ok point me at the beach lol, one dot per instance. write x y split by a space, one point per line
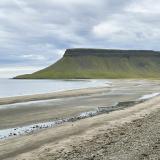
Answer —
79 80
103 136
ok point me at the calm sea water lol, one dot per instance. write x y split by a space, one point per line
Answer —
14 87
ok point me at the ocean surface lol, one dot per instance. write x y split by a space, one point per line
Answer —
17 87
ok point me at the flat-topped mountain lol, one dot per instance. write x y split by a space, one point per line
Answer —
102 63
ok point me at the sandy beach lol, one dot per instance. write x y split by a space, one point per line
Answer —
122 134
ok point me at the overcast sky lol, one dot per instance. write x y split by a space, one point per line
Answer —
35 33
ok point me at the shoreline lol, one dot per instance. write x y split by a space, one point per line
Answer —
37 127
70 93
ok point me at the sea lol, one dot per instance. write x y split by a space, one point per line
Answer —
19 87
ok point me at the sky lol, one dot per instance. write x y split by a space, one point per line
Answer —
35 33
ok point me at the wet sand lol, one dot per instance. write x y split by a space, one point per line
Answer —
59 142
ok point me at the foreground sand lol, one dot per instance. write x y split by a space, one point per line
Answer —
133 133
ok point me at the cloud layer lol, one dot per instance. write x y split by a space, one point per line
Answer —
36 33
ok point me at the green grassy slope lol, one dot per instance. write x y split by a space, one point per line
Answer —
84 64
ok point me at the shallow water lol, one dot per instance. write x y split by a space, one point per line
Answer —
17 87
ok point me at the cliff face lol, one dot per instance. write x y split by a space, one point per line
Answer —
103 63
109 52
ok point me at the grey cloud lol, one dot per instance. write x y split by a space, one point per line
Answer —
37 32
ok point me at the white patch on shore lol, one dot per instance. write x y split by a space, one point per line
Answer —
87 114
148 96
6 133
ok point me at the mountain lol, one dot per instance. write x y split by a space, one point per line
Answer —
102 63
